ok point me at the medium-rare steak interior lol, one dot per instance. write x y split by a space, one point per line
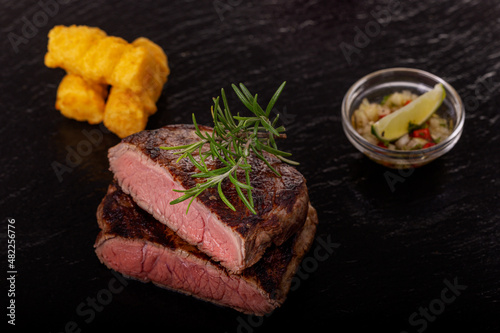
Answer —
133 243
236 239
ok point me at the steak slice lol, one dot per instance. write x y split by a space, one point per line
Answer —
133 243
237 239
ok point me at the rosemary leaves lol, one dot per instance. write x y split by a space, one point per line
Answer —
231 142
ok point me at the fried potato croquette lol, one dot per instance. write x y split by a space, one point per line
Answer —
100 60
107 60
139 70
124 113
81 100
136 71
67 46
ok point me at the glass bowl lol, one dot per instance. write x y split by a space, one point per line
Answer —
374 87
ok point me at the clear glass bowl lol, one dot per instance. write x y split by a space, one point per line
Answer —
374 87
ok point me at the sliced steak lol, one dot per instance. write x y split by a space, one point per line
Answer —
133 243
237 239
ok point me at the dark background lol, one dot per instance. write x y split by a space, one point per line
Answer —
396 245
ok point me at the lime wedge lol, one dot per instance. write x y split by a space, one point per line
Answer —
395 125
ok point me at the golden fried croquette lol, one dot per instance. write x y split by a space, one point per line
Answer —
68 45
81 100
152 84
158 54
93 60
155 88
107 60
138 71
124 113
100 60
138 105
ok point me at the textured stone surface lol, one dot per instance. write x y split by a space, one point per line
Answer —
392 249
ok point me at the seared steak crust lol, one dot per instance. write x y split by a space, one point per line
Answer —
283 196
119 216
121 219
281 203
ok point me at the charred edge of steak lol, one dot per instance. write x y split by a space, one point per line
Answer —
292 251
263 180
119 216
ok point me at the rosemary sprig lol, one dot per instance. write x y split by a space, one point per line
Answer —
231 142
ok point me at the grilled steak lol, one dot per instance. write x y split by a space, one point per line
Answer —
237 239
133 243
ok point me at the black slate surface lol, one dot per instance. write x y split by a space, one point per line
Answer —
423 255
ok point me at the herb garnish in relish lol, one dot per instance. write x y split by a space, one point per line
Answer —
418 136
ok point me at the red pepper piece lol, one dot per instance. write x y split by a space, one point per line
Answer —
428 144
381 144
422 133
407 102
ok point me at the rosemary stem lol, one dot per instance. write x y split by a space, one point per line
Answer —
232 140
